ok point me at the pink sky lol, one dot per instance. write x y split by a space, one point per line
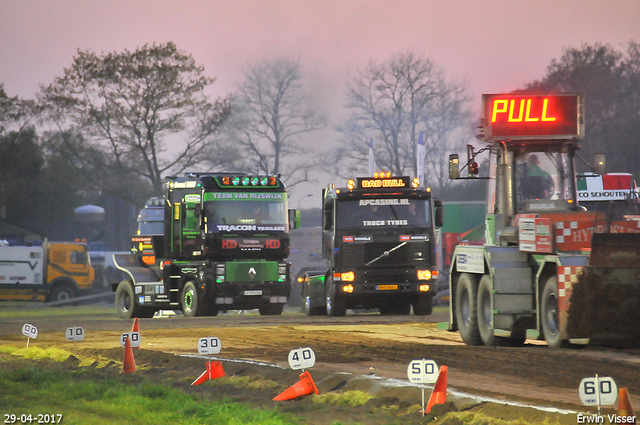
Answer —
500 45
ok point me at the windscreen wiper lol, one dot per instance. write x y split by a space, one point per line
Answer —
386 253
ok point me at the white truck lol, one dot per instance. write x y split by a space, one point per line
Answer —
54 271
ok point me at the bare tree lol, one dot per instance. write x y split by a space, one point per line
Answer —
392 102
141 113
271 114
610 80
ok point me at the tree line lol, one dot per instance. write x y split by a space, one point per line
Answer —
117 123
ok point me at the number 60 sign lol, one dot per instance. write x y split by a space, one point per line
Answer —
598 391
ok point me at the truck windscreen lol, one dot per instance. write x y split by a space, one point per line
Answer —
151 221
373 213
246 215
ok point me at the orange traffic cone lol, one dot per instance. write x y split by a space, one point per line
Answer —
135 327
624 404
214 371
129 364
439 394
301 388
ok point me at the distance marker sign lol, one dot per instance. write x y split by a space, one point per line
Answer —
209 345
75 333
134 339
598 391
422 372
30 331
302 358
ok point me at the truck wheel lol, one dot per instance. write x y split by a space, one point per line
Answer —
271 310
423 305
550 313
125 303
466 308
62 293
192 306
336 306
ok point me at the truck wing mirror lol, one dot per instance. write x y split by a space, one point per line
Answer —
294 219
438 212
454 166
599 163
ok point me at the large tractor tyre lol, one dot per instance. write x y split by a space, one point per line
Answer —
466 309
192 305
423 305
336 305
271 310
62 292
485 318
550 314
125 303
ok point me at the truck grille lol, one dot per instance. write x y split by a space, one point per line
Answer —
356 255
374 250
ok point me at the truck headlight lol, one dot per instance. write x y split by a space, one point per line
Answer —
424 274
347 277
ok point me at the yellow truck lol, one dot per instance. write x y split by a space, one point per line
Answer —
55 271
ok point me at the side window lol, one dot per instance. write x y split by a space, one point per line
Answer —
77 257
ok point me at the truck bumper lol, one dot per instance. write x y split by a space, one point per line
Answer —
368 294
250 295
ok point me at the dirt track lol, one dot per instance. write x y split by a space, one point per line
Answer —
366 345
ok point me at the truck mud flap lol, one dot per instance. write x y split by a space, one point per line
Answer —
129 264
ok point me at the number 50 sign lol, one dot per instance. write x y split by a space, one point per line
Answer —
598 391
422 371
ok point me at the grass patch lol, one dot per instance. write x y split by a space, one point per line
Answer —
347 398
51 353
87 398
250 382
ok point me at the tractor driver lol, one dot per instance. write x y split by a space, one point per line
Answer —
537 184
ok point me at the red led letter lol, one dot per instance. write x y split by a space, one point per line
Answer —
497 110
545 104
512 107
528 117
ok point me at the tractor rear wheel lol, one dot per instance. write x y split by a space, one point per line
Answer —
466 308
550 313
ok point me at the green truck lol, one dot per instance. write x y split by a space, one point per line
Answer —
224 247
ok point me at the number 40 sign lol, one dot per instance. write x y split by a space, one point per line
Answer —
302 358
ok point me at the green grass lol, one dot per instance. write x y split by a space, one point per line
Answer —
86 399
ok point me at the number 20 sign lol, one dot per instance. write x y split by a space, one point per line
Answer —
134 339
302 358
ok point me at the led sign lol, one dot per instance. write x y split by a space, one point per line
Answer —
533 116
376 183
